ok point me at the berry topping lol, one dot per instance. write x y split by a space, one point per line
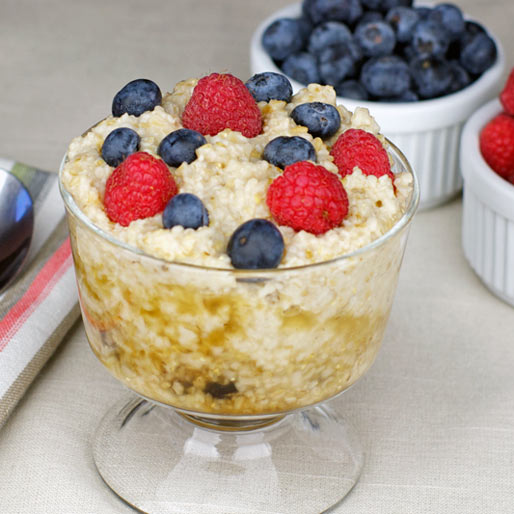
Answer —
119 144
187 210
180 146
282 38
256 244
269 86
139 187
507 94
358 148
307 197
283 151
221 101
497 145
321 119
136 97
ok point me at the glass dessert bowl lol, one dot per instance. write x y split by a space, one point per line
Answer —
232 368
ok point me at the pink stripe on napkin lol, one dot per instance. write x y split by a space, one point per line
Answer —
40 288
41 305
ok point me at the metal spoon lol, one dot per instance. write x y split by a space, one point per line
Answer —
16 226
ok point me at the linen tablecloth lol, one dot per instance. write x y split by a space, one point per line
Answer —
435 414
40 305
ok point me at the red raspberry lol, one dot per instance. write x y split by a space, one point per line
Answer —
497 145
139 187
307 197
507 94
356 147
219 102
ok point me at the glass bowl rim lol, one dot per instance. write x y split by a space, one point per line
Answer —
407 216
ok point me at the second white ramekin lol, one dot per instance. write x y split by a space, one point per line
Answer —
488 211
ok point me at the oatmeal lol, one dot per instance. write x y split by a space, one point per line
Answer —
165 310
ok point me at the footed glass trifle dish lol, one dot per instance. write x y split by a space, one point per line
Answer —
230 365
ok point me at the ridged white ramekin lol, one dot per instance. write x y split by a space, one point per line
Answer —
488 211
428 132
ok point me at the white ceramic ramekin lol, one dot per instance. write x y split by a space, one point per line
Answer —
427 132
488 211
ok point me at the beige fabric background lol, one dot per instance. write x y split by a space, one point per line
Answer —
435 413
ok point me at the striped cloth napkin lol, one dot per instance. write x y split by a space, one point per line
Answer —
40 306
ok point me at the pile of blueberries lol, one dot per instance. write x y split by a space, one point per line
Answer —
381 50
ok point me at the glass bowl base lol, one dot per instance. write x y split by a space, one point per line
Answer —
160 461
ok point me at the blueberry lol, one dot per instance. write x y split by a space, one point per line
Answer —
136 97
432 76
217 390
180 146
407 96
430 38
337 62
450 17
375 38
386 5
352 89
326 34
371 4
119 144
283 151
322 120
423 12
460 77
478 55
370 16
403 20
302 67
471 29
186 210
269 86
305 26
406 52
386 76
282 38
318 11
256 244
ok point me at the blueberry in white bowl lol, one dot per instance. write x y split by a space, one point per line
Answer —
442 67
